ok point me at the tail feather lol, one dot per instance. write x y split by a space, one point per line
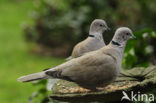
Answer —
33 77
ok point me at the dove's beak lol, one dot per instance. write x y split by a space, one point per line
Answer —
133 37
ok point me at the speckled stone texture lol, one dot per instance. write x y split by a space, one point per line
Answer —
136 79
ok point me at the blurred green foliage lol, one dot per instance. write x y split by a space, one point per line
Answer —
15 58
141 52
41 95
65 23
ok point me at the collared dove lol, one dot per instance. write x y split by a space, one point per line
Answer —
93 42
94 69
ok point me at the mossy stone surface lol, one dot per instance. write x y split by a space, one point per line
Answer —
136 79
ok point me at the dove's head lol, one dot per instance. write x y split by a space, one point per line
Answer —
98 26
123 34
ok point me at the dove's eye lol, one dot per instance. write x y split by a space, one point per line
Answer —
101 25
127 33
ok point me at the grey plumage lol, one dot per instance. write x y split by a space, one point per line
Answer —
93 42
94 69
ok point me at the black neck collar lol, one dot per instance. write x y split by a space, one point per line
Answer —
116 43
91 36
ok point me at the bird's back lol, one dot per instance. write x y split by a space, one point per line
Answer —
95 68
88 45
